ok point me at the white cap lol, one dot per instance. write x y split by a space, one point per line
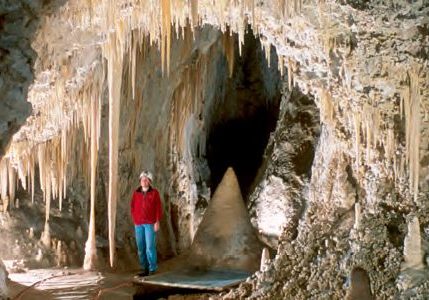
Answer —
146 174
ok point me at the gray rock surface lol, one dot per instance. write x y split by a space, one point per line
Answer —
3 281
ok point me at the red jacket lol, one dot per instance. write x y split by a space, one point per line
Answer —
146 207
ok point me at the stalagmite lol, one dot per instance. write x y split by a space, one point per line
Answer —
265 257
46 236
227 222
413 254
31 233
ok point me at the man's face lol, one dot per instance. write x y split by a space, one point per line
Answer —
145 182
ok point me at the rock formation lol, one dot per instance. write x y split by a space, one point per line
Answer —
360 287
225 238
3 281
339 173
413 256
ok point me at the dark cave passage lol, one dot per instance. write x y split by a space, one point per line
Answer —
240 143
245 117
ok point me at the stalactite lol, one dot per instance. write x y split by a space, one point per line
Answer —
389 149
114 56
268 53
371 122
194 12
22 172
327 108
358 216
47 194
4 179
280 64
12 184
250 5
41 162
289 75
32 174
357 126
90 259
411 107
165 36
133 55
289 8
228 43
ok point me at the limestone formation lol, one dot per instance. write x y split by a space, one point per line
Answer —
265 257
413 256
225 237
340 177
360 287
3 280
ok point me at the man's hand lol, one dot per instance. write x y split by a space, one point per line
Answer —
156 226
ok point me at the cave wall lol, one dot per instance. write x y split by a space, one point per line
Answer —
366 65
3 280
279 198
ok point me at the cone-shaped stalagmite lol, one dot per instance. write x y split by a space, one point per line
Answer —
225 237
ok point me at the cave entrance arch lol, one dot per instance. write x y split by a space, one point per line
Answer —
245 115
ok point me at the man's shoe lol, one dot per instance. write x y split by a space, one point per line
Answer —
152 273
143 273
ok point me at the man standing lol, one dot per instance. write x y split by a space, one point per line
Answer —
146 211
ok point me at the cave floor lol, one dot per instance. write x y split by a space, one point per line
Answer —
56 283
70 284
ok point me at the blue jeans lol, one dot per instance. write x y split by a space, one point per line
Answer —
146 246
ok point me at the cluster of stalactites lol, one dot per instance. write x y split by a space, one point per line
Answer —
159 19
410 107
370 131
52 156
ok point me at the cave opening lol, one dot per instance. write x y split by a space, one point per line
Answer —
245 116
